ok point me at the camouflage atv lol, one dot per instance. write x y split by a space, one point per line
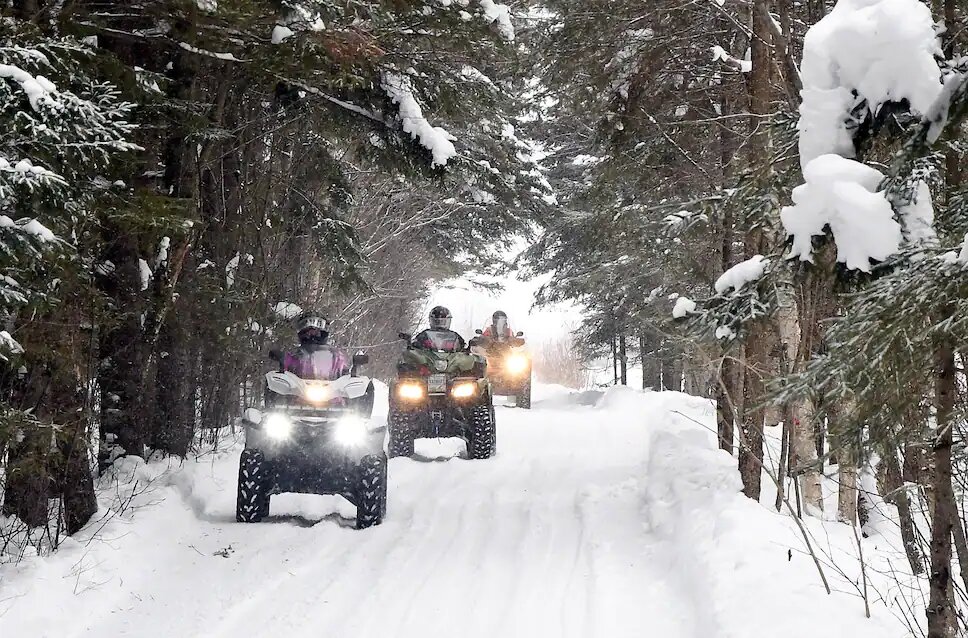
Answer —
441 394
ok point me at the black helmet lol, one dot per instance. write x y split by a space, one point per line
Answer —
500 314
440 318
312 328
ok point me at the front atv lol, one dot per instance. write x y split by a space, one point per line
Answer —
314 437
441 394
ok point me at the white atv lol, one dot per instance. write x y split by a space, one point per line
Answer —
316 437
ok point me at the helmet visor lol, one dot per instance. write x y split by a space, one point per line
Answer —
440 323
312 335
311 322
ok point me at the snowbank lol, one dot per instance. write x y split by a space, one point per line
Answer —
729 551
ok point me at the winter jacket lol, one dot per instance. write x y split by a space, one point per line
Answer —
433 339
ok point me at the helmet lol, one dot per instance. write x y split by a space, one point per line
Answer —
312 328
440 318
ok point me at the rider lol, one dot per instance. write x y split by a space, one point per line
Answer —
314 358
439 336
498 329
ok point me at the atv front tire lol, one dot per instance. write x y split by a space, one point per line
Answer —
483 434
252 504
523 398
371 493
401 426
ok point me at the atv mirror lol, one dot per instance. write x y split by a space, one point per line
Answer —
478 332
404 335
519 334
361 359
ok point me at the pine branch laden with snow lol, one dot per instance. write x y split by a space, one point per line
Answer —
741 274
842 194
499 15
58 137
882 50
434 138
682 307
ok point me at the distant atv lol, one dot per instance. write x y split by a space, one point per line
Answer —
441 393
508 367
314 436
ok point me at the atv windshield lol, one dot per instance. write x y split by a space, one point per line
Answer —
440 340
325 363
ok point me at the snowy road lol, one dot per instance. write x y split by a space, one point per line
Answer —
580 527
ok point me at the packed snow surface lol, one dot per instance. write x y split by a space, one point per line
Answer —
741 274
842 193
603 514
882 49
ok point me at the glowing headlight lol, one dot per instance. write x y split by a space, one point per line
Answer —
278 426
464 390
350 431
516 363
316 393
410 391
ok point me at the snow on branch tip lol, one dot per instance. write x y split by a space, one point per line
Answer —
434 138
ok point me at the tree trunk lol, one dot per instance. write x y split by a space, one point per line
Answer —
942 615
892 486
751 445
76 478
783 465
614 361
847 489
725 403
804 463
757 346
651 365
623 360
26 485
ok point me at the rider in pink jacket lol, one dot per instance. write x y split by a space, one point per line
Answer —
315 359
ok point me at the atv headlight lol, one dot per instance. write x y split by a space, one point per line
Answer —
464 390
350 431
516 363
317 393
278 426
410 391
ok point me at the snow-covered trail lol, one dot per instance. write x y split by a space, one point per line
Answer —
544 539
592 520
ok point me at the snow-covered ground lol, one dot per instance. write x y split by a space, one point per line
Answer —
602 515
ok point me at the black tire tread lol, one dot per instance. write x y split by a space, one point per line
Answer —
252 504
371 496
523 399
401 438
482 442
